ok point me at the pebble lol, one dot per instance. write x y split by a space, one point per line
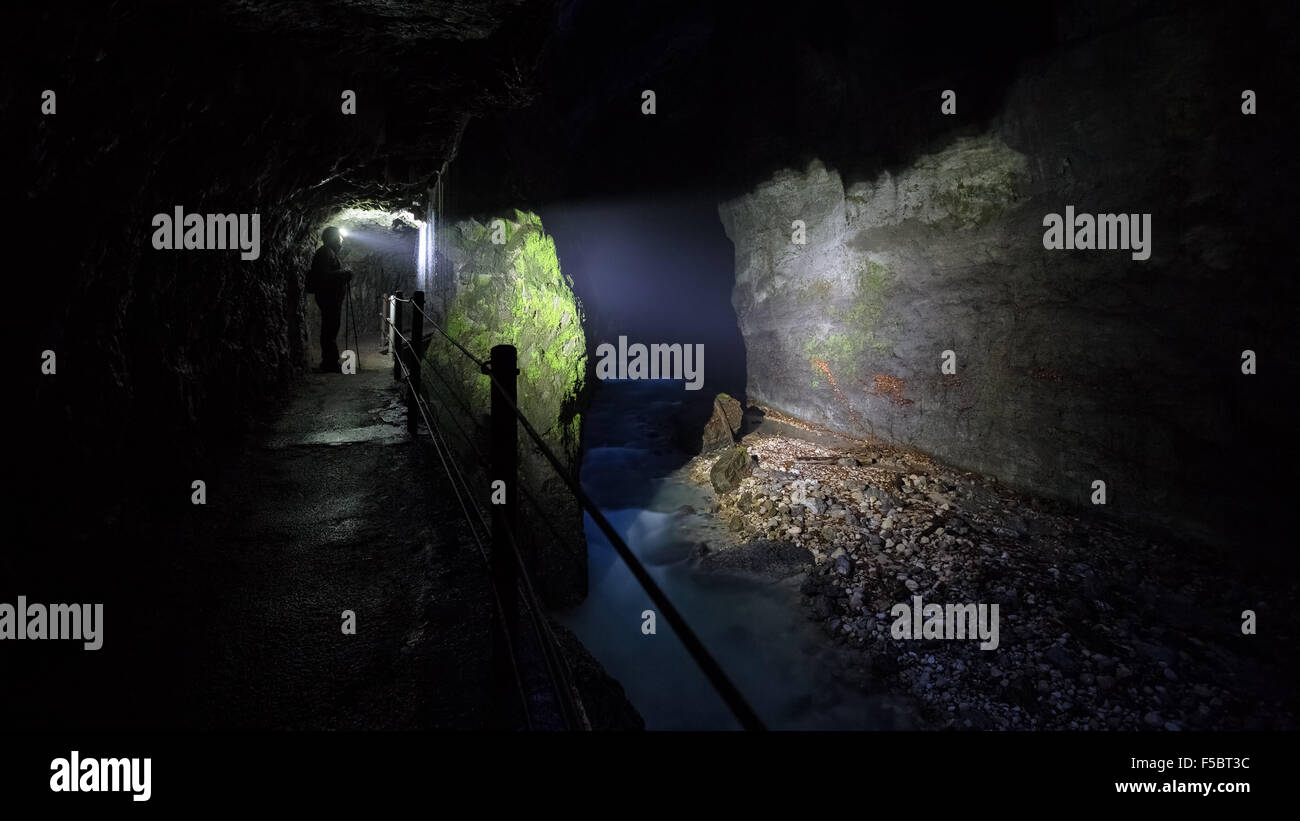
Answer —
905 539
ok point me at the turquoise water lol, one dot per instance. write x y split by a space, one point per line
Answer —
756 629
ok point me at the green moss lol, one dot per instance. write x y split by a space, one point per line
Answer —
861 325
977 200
515 294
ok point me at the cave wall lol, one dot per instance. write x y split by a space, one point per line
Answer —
163 356
1072 365
166 354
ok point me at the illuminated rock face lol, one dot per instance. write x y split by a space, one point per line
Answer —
513 292
1070 366
853 321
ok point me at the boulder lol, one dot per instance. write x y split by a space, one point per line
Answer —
721 430
730 468
723 426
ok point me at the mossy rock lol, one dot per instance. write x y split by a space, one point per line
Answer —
730 468
514 293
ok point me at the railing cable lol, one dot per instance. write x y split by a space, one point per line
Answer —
482 458
557 667
713 671
499 606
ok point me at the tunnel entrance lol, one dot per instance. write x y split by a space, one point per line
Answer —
380 247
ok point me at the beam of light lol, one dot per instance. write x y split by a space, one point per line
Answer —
379 217
373 227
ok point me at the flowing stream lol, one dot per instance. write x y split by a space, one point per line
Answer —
755 628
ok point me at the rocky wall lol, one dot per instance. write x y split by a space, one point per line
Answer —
1071 366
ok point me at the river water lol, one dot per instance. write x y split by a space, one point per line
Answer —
755 628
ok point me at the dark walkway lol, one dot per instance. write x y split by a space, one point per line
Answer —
228 616
338 512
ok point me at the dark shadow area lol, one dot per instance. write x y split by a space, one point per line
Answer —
654 271
742 92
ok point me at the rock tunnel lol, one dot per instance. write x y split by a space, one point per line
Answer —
845 208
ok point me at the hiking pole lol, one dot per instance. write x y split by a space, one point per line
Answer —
352 320
356 337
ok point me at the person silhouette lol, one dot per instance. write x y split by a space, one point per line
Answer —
328 279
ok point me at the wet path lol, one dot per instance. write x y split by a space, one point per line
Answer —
229 615
337 512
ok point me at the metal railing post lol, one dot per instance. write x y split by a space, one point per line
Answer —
504 370
506 557
413 365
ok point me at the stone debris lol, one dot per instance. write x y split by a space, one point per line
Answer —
1101 628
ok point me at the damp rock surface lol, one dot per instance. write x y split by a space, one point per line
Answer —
1069 367
514 292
